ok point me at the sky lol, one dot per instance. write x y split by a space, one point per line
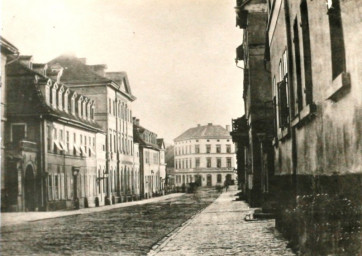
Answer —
179 55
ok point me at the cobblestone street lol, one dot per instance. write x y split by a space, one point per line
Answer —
173 226
220 229
124 231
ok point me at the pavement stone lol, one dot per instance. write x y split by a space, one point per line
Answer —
220 229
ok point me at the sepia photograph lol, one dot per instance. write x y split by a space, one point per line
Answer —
181 128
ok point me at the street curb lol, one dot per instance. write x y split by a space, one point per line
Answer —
86 210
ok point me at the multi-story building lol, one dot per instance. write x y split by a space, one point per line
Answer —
253 132
152 161
9 53
313 57
205 155
51 137
112 92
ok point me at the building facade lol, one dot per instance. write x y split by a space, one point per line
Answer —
9 53
253 132
205 155
50 142
152 161
112 92
313 59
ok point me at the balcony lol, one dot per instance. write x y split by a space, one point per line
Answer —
240 130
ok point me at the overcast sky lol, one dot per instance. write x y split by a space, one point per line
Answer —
179 54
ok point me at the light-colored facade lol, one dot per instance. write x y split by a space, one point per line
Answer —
50 142
112 92
152 161
204 154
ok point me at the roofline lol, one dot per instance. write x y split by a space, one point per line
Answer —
203 137
8 46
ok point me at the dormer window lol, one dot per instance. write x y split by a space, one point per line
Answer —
66 97
48 93
54 95
80 106
60 97
73 105
92 111
84 106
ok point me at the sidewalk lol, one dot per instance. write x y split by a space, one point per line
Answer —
13 218
220 229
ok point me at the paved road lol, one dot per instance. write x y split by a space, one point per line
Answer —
220 229
131 230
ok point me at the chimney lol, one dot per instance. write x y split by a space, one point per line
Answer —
227 127
136 121
26 60
209 124
98 69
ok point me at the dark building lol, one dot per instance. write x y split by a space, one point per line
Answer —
253 132
312 56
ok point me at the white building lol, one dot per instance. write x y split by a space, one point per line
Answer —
204 154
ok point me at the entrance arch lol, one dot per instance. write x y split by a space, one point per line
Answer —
29 189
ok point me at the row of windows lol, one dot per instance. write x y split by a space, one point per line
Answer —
119 109
184 179
126 181
184 150
61 187
70 143
291 97
125 145
188 163
155 157
189 141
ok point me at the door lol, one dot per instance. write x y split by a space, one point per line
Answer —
209 180
29 189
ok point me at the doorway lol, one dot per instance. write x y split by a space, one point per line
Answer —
29 189
209 180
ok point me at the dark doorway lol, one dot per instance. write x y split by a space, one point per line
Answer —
29 189
209 180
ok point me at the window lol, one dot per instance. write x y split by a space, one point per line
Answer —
197 149
219 178
298 68
67 138
56 187
109 106
337 39
208 162
50 187
228 148
218 163
115 142
197 162
18 132
307 54
208 149
85 144
283 99
49 138
218 148
228 162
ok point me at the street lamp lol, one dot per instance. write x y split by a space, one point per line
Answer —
75 171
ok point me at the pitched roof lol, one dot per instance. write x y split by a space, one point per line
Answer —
40 107
204 132
7 47
76 71
137 131
160 143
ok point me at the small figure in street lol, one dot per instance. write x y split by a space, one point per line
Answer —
226 185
